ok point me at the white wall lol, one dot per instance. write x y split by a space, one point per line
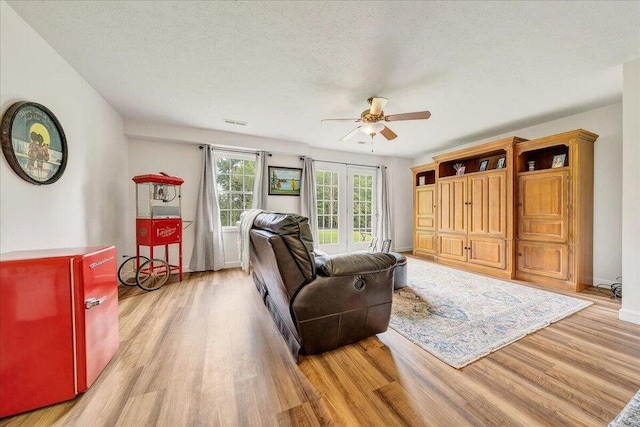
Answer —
402 201
174 150
183 160
607 233
631 193
87 205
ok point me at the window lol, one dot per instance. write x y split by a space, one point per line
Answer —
327 195
362 207
235 175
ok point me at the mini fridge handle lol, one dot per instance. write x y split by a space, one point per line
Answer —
92 302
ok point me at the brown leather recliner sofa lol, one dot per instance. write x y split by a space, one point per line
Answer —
318 303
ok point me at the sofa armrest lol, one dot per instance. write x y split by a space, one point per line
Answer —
326 296
353 264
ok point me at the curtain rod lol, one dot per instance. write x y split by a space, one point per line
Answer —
301 158
348 164
231 150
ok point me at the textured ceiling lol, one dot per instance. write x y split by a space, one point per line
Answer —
481 68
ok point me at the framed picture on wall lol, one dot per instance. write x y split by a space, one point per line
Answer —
284 181
34 143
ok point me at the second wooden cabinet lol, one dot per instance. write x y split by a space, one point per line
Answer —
473 219
475 209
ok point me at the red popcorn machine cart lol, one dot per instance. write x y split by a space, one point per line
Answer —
158 223
58 324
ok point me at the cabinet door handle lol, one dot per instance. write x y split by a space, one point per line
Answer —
92 302
519 253
519 203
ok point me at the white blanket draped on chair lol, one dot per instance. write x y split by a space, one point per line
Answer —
246 222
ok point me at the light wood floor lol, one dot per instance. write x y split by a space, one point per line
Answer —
205 352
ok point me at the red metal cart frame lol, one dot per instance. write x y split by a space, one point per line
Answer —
164 231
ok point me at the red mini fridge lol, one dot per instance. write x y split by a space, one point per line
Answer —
58 324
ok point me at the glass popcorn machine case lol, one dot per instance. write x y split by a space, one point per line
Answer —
158 221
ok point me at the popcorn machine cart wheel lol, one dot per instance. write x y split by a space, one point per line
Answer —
158 223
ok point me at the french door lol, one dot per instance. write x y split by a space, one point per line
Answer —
346 207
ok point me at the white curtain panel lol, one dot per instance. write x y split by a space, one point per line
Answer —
308 198
259 194
208 249
383 231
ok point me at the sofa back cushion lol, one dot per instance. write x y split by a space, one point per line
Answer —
296 235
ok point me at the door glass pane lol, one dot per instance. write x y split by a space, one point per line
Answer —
327 207
362 207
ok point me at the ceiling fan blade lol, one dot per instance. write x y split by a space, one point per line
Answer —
408 116
377 104
388 133
350 134
340 120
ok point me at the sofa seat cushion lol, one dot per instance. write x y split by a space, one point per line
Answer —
355 263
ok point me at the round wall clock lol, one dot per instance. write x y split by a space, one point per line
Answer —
33 143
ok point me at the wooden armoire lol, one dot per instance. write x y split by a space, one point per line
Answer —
554 212
521 209
424 219
475 208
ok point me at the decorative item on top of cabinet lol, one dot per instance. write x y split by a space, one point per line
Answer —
554 214
475 210
424 211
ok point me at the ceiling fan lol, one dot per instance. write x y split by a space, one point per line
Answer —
373 116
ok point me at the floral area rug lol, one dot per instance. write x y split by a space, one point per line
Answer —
630 415
460 317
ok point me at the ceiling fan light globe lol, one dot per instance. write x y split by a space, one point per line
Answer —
372 128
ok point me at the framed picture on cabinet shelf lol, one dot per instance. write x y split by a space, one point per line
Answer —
501 163
483 165
422 180
558 160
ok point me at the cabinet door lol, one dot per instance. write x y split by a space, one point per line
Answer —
425 242
452 199
96 293
487 204
544 259
36 334
452 246
487 251
426 207
542 206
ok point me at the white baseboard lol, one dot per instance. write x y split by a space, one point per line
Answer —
629 315
232 264
406 249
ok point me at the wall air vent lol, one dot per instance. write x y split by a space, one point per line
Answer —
235 122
